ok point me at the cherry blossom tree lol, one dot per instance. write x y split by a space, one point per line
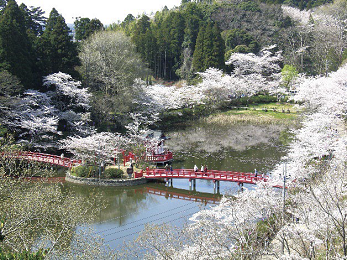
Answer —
102 147
71 101
94 148
41 117
316 161
159 98
319 35
35 117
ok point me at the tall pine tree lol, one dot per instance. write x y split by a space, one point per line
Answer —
209 48
193 17
57 51
34 24
198 56
16 54
84 27
145 41
218 48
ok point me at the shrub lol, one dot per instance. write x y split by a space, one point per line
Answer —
84 171
113 173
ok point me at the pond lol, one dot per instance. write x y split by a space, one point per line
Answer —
121 213
239 148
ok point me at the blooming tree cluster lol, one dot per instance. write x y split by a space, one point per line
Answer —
158 98
323 129
71 101
37 115
252 74
258 221
321 36
94 148
102 147
34 116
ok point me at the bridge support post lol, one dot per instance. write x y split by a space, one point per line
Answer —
194 184
215 186
241 186
168 181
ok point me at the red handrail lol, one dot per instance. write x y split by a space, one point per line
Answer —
159 157
232 176
43 157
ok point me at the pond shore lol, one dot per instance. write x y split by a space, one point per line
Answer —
105 182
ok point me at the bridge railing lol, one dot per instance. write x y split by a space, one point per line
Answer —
159 157
208 175
43 157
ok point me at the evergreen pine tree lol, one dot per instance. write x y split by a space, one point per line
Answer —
198 56
57 51
209 48
193 17
15 47
84 27
177 25
208 58
218 48
34 24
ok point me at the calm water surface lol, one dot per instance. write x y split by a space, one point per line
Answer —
126 211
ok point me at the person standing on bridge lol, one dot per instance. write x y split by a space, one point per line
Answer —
195 168
202 168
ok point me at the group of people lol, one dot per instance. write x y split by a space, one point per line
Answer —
168 168
203 168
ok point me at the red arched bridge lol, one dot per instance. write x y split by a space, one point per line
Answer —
42 157
214 175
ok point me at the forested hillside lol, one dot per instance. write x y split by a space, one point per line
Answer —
169 45
169 40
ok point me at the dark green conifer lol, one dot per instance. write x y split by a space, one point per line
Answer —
218 48
57 51
84 27
16 54
209 49
198 56
209 59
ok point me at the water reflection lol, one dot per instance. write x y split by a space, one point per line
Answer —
124 212
239 147
216 138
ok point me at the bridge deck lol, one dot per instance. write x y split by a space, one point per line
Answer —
215 175
42 157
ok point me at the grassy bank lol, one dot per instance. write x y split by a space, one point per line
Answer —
272 113
260 109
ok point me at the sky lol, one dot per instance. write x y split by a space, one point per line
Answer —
107 11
